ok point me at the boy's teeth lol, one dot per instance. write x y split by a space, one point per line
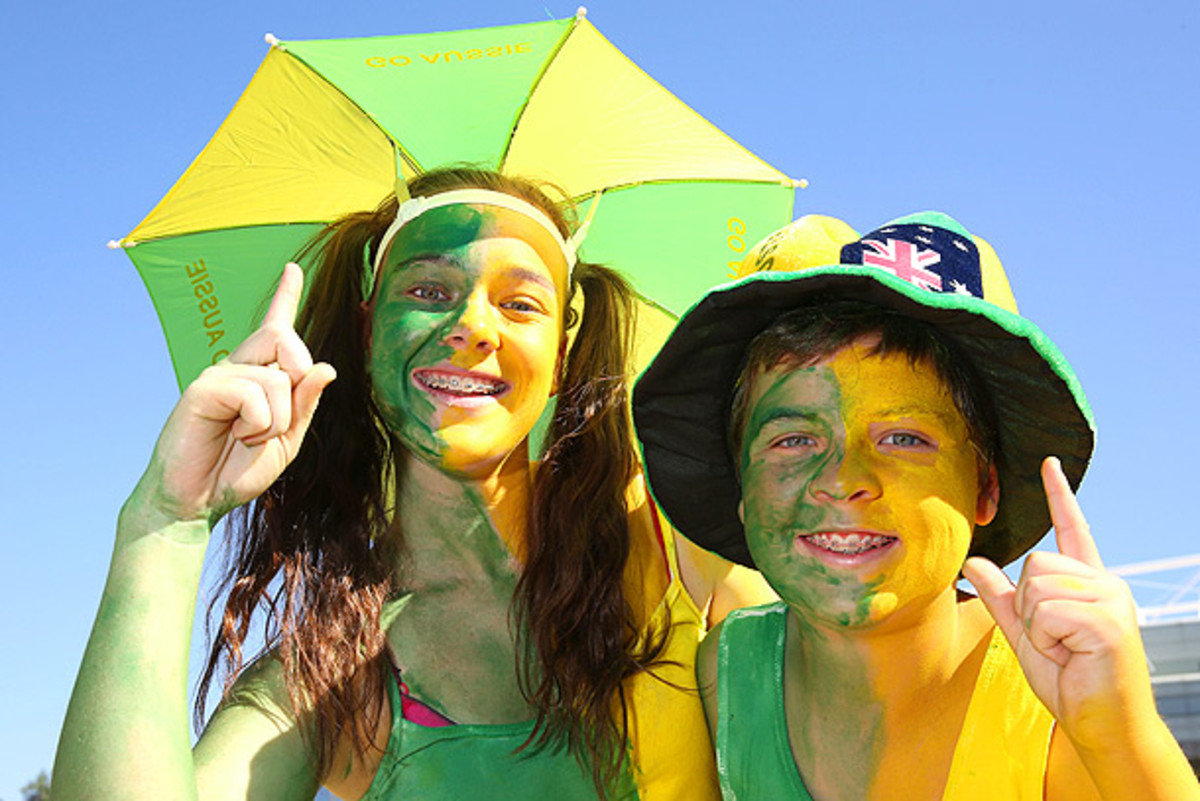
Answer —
849 544
461 383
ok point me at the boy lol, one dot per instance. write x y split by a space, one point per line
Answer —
856 431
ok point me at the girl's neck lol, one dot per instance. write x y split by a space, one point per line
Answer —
452 524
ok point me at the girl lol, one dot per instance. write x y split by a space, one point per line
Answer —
443 615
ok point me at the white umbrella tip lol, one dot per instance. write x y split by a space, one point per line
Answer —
581 12
271 39
113 244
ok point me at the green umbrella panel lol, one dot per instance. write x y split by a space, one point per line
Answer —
327 127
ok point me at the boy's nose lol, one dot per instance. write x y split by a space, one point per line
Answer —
844 476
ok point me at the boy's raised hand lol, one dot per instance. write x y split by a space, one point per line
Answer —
1074 628
241 422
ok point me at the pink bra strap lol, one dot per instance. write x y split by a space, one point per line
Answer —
416 712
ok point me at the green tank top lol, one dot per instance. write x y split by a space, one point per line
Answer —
1002 748
476 761
754 756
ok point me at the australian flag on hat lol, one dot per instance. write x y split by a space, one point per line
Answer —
926 255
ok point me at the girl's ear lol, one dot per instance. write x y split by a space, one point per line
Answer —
558 365
989 498
364 321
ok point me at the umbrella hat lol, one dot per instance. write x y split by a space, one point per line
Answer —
328 127
925 266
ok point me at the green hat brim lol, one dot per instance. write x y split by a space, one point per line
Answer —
681 403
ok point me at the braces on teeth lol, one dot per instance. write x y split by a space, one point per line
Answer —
851 544
461 384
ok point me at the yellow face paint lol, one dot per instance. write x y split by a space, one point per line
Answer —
860 486
466 326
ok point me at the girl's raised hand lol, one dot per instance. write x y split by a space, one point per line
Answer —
241 422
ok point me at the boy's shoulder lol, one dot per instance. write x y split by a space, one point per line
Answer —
746 631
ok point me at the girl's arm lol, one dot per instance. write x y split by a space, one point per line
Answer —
233 432
718 585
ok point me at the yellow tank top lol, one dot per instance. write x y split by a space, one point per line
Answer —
1001 752
672 752
671 755
1005 741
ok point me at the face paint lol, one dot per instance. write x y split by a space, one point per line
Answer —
466 325
859 485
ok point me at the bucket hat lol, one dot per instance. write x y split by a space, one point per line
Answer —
925 266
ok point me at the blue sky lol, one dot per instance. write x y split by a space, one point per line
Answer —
1065 133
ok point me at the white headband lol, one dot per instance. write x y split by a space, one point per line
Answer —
413 208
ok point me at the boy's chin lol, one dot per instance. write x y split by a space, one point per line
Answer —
847 614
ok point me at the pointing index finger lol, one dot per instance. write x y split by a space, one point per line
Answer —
1070 526
286 301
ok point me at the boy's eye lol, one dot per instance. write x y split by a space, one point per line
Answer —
793 441
904 439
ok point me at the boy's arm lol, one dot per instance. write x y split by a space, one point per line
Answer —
1074 629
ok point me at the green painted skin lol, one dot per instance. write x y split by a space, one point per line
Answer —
777 499
127 731
457 577
777 507
457 573
406 333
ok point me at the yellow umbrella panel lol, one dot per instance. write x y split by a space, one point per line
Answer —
326 126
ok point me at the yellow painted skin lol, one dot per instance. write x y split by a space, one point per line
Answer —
486 298
859 446
469 294
880 645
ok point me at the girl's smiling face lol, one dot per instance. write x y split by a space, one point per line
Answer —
466 334
860 485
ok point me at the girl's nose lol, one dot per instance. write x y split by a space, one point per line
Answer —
476 327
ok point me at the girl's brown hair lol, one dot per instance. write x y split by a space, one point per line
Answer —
313 551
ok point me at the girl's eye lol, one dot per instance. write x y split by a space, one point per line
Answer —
520 306
905 440
429 293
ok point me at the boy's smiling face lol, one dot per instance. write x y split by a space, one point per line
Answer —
860 487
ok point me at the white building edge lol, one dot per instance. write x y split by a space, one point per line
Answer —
1167 592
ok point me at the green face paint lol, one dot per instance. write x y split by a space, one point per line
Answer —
465 331
859 485
775 503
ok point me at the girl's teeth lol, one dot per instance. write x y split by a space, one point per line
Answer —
465 384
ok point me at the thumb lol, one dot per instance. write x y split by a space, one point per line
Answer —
997 593
306 395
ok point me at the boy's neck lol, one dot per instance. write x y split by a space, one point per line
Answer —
854 697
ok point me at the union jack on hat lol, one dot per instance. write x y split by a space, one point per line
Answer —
925 266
